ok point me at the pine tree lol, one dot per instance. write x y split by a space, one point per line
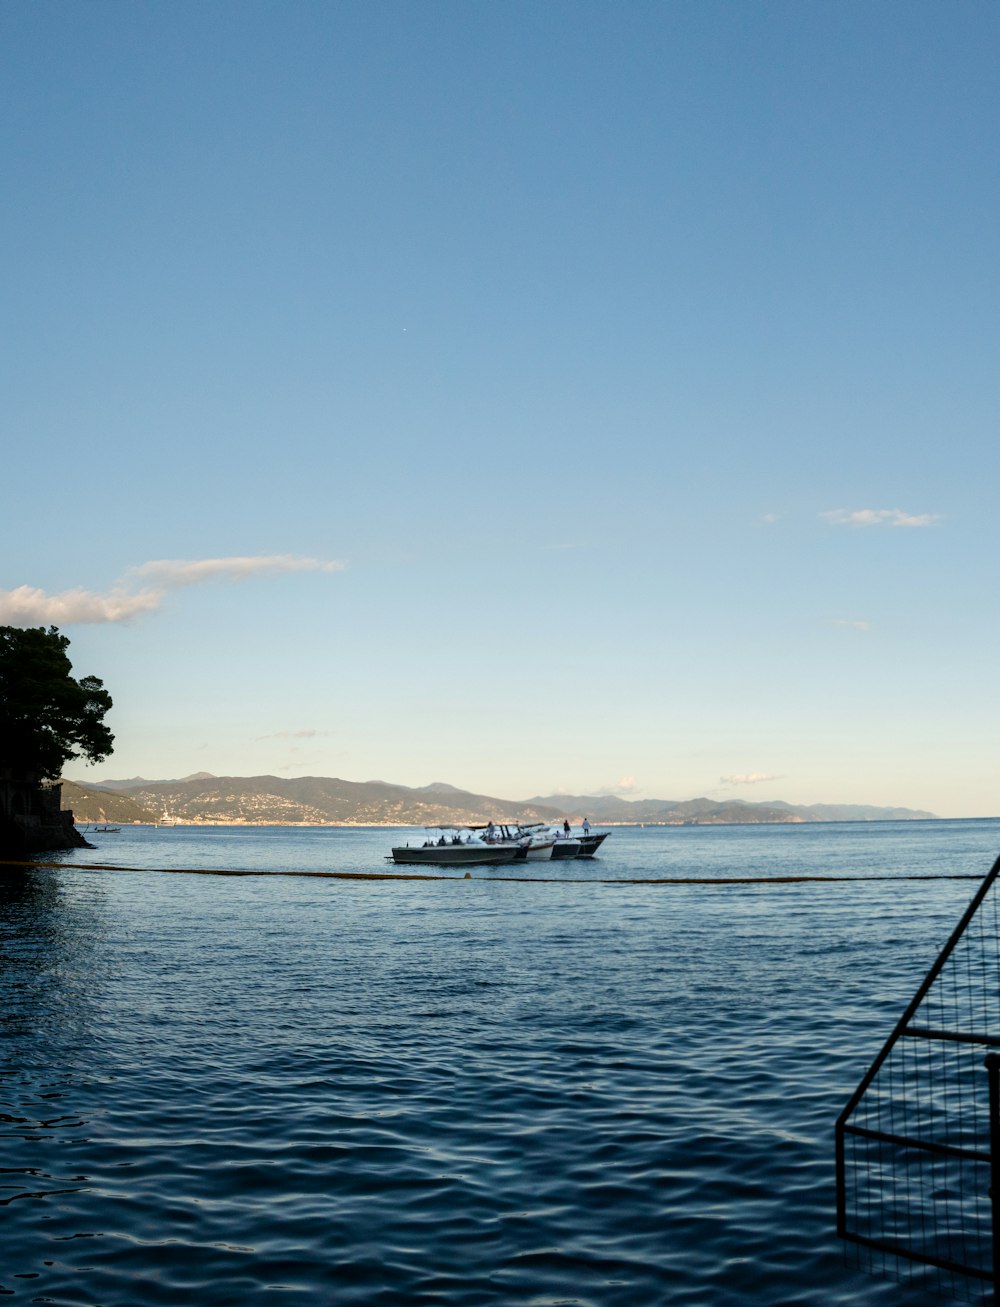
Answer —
47 716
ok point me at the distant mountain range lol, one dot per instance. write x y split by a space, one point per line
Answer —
324 800
671 812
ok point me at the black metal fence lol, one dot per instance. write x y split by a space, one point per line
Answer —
918 1145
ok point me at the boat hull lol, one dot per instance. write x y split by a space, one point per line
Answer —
565 849
578 846
589 844
455 855
540 852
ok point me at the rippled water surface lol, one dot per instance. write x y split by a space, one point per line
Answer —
579 1090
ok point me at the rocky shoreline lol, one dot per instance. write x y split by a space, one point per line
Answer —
32 819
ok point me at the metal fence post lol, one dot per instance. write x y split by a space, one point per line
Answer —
992 1062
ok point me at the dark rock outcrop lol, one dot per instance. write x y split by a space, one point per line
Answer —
32 819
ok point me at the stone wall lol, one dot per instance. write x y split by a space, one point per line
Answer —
32 819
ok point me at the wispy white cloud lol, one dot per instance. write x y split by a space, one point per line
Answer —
174 572
853 623
29 606
769 519
749 778
878 517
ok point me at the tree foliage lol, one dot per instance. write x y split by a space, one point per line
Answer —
46 715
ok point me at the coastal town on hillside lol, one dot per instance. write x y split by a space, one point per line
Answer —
328 801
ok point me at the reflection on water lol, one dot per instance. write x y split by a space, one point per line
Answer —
51 957
452 1092
50 962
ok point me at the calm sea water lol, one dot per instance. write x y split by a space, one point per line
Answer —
454 1092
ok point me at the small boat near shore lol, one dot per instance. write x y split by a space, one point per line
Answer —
459 847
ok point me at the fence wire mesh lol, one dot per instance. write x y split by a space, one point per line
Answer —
914 1152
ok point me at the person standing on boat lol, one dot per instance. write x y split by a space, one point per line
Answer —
491 832
565 825
586 826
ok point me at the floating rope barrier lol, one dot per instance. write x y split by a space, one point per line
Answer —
512 880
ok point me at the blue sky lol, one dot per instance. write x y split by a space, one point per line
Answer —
567 396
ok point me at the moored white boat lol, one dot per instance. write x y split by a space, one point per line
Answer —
555 842
536 839
541 846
